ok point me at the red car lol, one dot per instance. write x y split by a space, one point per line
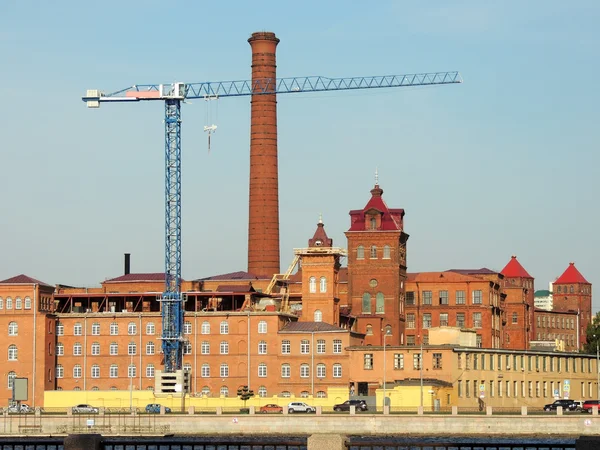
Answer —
589 404
271 408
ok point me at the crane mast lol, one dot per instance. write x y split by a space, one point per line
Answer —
172 300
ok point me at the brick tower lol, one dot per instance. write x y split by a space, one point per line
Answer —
519 288
263 220
377 270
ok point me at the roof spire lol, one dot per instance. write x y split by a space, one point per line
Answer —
320 218
376 176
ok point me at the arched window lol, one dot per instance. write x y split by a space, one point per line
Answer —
149 348
312 285
113 349
60 329
95 371
388 330
60 349
27 303
205 371
77 329
1 303
224 348
114 329
60 371
12 352
19 302
187 327
8 303
205 391
373 252
114 371
360 252
337 370
11 379
95 348
262 348
131 371
205 348
13 329
369 330
515 318
224 371
262 391
262 370
150 371
224 328
262 327
285 371
131 329
187 348
386 252
96 329
323 284
205 328
77 371
95 388
304 394
379 303
224 391
150 328
366 303
321 394
131 349
318 316
373 223
77 350
304 370
286 394
321 370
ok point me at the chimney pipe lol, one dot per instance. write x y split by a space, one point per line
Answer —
263 218
127 263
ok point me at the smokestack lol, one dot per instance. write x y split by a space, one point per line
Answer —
263 224
127 263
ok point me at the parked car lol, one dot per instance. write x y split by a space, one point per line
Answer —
567 405
588 405
23 408
84 409
271 408
154 408
360 405
295 407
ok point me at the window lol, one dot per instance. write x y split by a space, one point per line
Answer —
379 303
360 252
443 297
285 371
386 252
113 349
224 348
262 370
312 285
410 298
8 303
224 391
427 320
337 370
60 349
477 320
304 346
187 327
149 348
96 329
477 296
224 371
95 349
13 329
224 328
60 372
77 371
131 371
410 340
427 297
318 316
369 330
321 370
19 302
262 348
131 329
366 303
443 319
77 349
150 329
150 371
460 297
187 348
398 361
337 346
114 329
417 361
77 329
373 223
95 371
205 328
323 284
205 371
286 347
27 303
206 391
321 346
368 361
478 341
304 370
262 391
262 327
1 303
12 352
131 349
515 318
410 321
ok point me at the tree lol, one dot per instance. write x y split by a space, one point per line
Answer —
245 394
592 335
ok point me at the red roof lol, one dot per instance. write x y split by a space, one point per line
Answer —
391 219
514 269
571 275
240 275
137 277
23 279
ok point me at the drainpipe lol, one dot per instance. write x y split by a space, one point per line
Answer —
35 287
141 348
248 349
84 351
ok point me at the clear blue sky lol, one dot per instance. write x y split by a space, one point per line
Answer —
506 163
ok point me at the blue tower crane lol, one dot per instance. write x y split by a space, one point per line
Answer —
172 95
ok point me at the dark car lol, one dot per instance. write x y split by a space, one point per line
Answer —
588 405
360 405
154 408
567 405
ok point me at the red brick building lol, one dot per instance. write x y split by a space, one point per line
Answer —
518 287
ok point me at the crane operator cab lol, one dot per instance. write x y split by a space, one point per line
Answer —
175 91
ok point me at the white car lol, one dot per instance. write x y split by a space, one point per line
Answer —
23 408
295 407
84 409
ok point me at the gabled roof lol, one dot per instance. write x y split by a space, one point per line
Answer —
238 288
137 277
482 271
440 277
24 279
391 219
309 327
320 236
514 269
571 275
241 275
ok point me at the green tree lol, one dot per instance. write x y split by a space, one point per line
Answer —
245 394
592 335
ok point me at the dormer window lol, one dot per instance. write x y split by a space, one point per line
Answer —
318 243
373 223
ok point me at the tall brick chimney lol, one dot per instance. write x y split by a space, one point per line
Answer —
263 224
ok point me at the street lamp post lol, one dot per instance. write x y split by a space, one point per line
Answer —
385 334
421 370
